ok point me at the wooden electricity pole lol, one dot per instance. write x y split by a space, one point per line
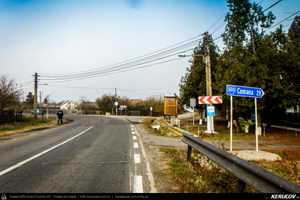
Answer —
210 120
35 94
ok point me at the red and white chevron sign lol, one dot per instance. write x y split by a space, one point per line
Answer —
210 100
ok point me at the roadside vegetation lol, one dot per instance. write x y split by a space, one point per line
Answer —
288 167
170 131
28 123
200 175
137 107
163 130
222 133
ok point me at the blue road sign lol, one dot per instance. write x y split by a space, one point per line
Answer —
242 91
210 111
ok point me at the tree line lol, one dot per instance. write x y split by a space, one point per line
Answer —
10 99
106 103
254 56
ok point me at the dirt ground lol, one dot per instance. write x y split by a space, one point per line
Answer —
158 160
159 166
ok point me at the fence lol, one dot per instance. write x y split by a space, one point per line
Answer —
257 177
284 130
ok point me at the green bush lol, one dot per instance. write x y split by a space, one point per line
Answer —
244 124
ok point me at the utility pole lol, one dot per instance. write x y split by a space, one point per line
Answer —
35 93
40 97
210 120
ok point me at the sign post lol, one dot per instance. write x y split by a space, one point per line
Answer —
256 133
231 114
124 107
242 91
210 100
116 104
151 108
193 105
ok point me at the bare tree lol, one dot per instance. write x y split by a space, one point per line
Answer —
9 93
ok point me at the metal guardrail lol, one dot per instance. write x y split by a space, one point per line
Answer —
248 173
286 128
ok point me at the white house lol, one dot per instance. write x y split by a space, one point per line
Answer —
69 105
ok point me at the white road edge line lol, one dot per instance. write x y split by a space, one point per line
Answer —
137 158
138 184
149 173
40 154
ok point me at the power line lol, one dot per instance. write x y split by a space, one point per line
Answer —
79 87
261 1
149 89
45 77
135 92
216 21
95 88
284 19
164 50
120 71
22 84
218 28
113 69
287 25
137 59
272 5
26 88
122 65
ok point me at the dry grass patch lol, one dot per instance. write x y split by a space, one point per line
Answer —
200 175
164 129
288 167
28 123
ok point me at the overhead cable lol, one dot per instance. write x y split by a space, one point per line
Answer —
111 69
119 71
135 60
284 19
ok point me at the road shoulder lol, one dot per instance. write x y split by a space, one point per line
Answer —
158 160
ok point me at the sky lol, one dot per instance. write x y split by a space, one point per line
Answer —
67 36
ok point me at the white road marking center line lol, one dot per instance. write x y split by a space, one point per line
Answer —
40 154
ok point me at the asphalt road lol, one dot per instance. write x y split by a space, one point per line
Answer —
93 154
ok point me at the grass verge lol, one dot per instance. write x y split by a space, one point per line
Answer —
203 176
28 123
288 167
200 175
164 129
222 132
